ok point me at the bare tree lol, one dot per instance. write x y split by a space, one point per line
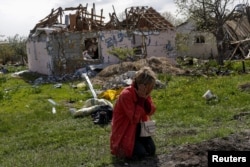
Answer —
122 16
210 15
172 19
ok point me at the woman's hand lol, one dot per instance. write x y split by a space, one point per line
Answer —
141 91
144 90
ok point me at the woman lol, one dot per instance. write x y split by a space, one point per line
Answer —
133 106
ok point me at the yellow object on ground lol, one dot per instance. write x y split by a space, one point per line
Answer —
110 94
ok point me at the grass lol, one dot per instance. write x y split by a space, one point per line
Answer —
30 135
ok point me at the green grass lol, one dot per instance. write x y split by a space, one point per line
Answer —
30 135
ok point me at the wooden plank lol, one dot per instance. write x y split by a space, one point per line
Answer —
240 41
234 51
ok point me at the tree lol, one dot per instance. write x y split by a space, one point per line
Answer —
18 44
6 53
121 53
173 20
122 16
210 15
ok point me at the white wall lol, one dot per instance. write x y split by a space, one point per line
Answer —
188 44
162 44
38 58
109 39
159 44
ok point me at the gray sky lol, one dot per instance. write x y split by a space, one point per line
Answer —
20 16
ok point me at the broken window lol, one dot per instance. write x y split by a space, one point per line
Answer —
137 42
200 39
91 48
138 50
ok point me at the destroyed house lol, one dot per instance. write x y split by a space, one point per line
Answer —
194 43
71 38
202 44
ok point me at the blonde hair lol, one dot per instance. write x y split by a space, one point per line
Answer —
145 76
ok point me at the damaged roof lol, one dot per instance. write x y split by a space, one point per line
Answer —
80 19
145 18
238 28
238 32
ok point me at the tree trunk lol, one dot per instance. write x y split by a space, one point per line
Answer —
220 46
220 53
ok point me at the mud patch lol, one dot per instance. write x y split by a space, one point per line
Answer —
195 155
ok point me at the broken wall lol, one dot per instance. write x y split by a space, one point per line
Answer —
56 53
152 43
59 53
113 38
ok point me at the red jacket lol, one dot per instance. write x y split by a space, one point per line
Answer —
127 114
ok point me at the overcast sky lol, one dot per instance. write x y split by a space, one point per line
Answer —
20 16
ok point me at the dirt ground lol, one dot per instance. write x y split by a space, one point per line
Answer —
193 155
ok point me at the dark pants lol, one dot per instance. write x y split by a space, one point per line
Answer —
144 146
